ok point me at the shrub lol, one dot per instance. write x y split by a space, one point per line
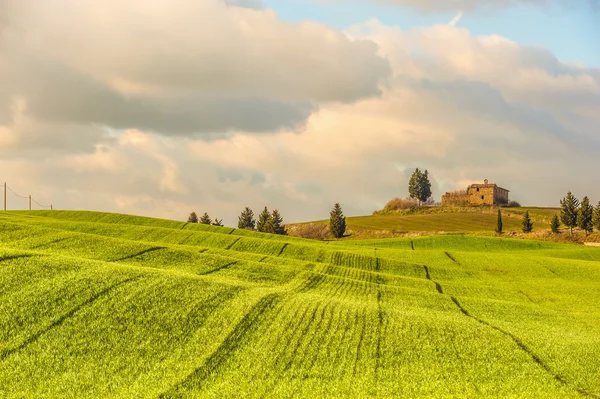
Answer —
513 204
398 204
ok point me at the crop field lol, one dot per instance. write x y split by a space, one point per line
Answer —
96 305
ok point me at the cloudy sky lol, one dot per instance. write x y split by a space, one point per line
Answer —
160 108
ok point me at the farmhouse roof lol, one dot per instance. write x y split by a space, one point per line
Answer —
487 186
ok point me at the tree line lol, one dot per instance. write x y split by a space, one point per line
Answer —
272 222
572 214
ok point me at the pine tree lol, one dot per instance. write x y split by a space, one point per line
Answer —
568 211
527 223
246 219
585 216
555 224
205 219
276 223
263 221
499 223
596 218
193 218
337 221
218 222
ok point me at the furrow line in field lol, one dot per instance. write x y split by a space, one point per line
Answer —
452 258
217 359
516 340
59 321
225 266
379 323
183 226
51 242
360 340
139 253
233 243
11 257
283 248
325 338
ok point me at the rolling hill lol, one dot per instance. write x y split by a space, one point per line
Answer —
96 305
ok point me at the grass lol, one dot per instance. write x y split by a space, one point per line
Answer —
467 220
103 305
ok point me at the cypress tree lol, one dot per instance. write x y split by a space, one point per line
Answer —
555 224
527 223
596 218
414 184
337 221
193 218
585 216
218 222
568 211
499 223
205 219
246 219
424 187
276 223
263 221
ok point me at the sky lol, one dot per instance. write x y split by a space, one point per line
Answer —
161 108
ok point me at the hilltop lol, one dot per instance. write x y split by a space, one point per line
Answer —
480 221
102 305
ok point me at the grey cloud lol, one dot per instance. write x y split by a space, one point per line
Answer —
257 178
254 4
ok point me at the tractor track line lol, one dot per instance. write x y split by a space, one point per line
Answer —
218 268
214 362
233 243
145 251
11 257
282 249
58 322
452 258
517 341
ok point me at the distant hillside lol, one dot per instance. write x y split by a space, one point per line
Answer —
97 305
471 220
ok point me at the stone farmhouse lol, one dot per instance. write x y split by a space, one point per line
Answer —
477 194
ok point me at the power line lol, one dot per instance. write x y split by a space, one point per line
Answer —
7 188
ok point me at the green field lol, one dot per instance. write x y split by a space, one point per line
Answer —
96 305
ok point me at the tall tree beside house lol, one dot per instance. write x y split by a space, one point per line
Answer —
555 224
337 221
419 186
262 224
246 219
499 223
276 223
585 216
527 223
193 218
596 218
568 211
205 219
218 222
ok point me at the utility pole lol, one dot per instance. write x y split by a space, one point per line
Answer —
4 195
29 201
51 207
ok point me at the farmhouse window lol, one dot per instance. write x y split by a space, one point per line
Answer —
477 189
482 197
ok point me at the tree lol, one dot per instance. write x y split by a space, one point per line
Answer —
337 221
246 219
205 219
419 186
568 211
527 223
263 221
555 224
596 218
276 223
585 216
193 218
499 223
218 222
